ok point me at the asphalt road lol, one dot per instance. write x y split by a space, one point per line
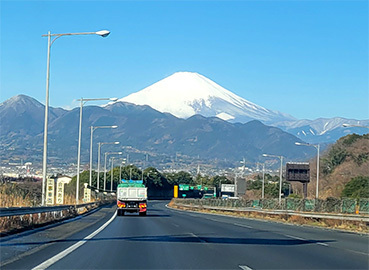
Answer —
172 239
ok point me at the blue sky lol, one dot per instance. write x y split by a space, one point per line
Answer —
305 58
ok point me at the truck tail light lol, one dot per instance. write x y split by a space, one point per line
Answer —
143 205
121 204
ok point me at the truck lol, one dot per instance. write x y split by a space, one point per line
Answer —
131 197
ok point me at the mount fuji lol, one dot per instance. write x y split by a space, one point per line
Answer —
185 94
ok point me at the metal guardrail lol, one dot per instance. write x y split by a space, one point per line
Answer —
18 211
198 204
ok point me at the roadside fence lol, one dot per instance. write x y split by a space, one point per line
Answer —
330 205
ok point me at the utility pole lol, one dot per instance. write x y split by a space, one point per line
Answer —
262 190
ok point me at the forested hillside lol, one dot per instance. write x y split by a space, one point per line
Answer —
346 160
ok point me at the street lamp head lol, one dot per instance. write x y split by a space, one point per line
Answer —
113 99
103 33
297 143
116 142
114 126
265 155
345 125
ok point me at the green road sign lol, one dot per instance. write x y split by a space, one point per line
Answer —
184 187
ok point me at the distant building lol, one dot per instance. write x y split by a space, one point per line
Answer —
64 179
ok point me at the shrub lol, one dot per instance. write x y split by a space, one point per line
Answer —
358 187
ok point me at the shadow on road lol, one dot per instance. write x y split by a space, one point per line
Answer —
187 238
135 215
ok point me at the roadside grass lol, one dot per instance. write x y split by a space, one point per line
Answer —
20 194
28 194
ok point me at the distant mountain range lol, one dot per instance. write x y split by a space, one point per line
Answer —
184 113
140 127
185 94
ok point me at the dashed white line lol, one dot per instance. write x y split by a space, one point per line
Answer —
65 252
302 239
295 237
194 235
244 267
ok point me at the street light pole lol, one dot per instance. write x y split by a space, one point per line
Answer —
120 172
262 190
112 173
44 159
280 175
98 160
105 172
317 172
106 154
83 101
280 181
91 139
98 165
102 33
79 150
317 147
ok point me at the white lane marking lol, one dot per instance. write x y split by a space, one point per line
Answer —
244 267
242 225
295 237
194 235
64 253
302 239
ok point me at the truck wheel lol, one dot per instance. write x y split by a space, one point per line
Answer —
142 213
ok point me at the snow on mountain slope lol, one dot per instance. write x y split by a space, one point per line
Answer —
323 129
185 94
321 125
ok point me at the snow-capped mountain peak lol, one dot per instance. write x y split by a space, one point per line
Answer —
185 94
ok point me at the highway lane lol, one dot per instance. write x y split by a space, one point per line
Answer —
172 239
